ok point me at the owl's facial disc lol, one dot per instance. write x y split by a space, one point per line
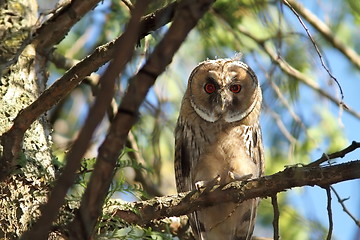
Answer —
226 90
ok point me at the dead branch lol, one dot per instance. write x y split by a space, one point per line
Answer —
326 32
267 186
187 15
12 139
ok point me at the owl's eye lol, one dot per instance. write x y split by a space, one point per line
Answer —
209 88
235 88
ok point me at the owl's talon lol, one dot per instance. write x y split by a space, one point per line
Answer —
200 184
208 184
237 177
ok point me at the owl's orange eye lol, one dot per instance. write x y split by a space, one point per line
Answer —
235 88
210 88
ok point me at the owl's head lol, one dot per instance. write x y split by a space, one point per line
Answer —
224 89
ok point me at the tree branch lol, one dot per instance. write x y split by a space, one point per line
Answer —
274 202
325 31
56 27
187 15
267 186
339 154
12 139
341 201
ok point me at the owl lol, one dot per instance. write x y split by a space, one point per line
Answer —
218 140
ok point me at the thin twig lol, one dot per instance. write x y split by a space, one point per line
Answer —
341 201
326 32
329 210
275 205
316 48
339 154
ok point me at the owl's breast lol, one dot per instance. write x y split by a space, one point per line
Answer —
226 152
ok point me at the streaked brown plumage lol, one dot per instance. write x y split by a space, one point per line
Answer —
218 136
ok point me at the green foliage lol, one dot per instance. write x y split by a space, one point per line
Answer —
354 7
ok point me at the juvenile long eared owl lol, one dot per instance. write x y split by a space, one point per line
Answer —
218 139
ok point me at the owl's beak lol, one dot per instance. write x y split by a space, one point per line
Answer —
224 100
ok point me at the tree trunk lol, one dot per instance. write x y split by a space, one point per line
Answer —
23 78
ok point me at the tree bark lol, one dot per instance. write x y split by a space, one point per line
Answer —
22 80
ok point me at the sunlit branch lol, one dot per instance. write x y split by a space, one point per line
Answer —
326 32
128 4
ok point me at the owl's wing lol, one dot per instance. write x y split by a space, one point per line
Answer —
182 158
257 155
185 159
258 150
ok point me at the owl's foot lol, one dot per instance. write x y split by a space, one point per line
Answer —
208 184
237 177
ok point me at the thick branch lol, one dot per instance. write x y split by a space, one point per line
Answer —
325 31
267 186
12 140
